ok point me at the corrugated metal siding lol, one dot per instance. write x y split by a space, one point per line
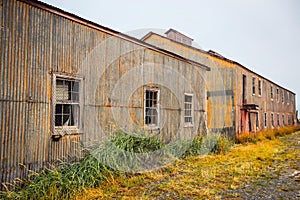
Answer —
219 83
37 43
27 54
224 88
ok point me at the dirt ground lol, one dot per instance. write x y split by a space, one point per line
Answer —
282 180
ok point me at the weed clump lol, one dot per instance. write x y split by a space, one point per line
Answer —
61 182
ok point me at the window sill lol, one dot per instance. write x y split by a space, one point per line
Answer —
188 126
152 127
61 131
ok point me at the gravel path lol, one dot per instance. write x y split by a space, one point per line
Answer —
283 180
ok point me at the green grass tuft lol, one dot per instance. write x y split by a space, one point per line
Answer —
68 179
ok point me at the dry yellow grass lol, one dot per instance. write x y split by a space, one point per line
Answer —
270 134
198 177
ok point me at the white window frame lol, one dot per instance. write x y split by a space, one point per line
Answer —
67 130
188 124
152 126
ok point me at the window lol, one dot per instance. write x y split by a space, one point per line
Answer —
259 87
272 119
288 98
151 107
188 109
272 96
253 85
278 120
265 119
289 120
283 123
66 104
277 94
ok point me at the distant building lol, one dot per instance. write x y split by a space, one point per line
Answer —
238 99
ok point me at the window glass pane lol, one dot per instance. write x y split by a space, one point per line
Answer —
67 98
62 90
188 99
151 112
74 115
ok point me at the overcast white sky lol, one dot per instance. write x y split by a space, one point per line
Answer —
263 35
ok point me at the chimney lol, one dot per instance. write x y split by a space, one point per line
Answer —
179 37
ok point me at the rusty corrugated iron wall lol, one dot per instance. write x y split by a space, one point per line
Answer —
39 42
220 83
225 107
31 48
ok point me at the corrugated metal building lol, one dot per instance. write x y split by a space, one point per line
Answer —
238 99
66 81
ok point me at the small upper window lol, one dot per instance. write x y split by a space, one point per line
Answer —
188 109
151 107
259 87
277 94
272 95
253 85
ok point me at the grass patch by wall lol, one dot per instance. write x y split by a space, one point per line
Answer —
68 179
270 134
199 177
